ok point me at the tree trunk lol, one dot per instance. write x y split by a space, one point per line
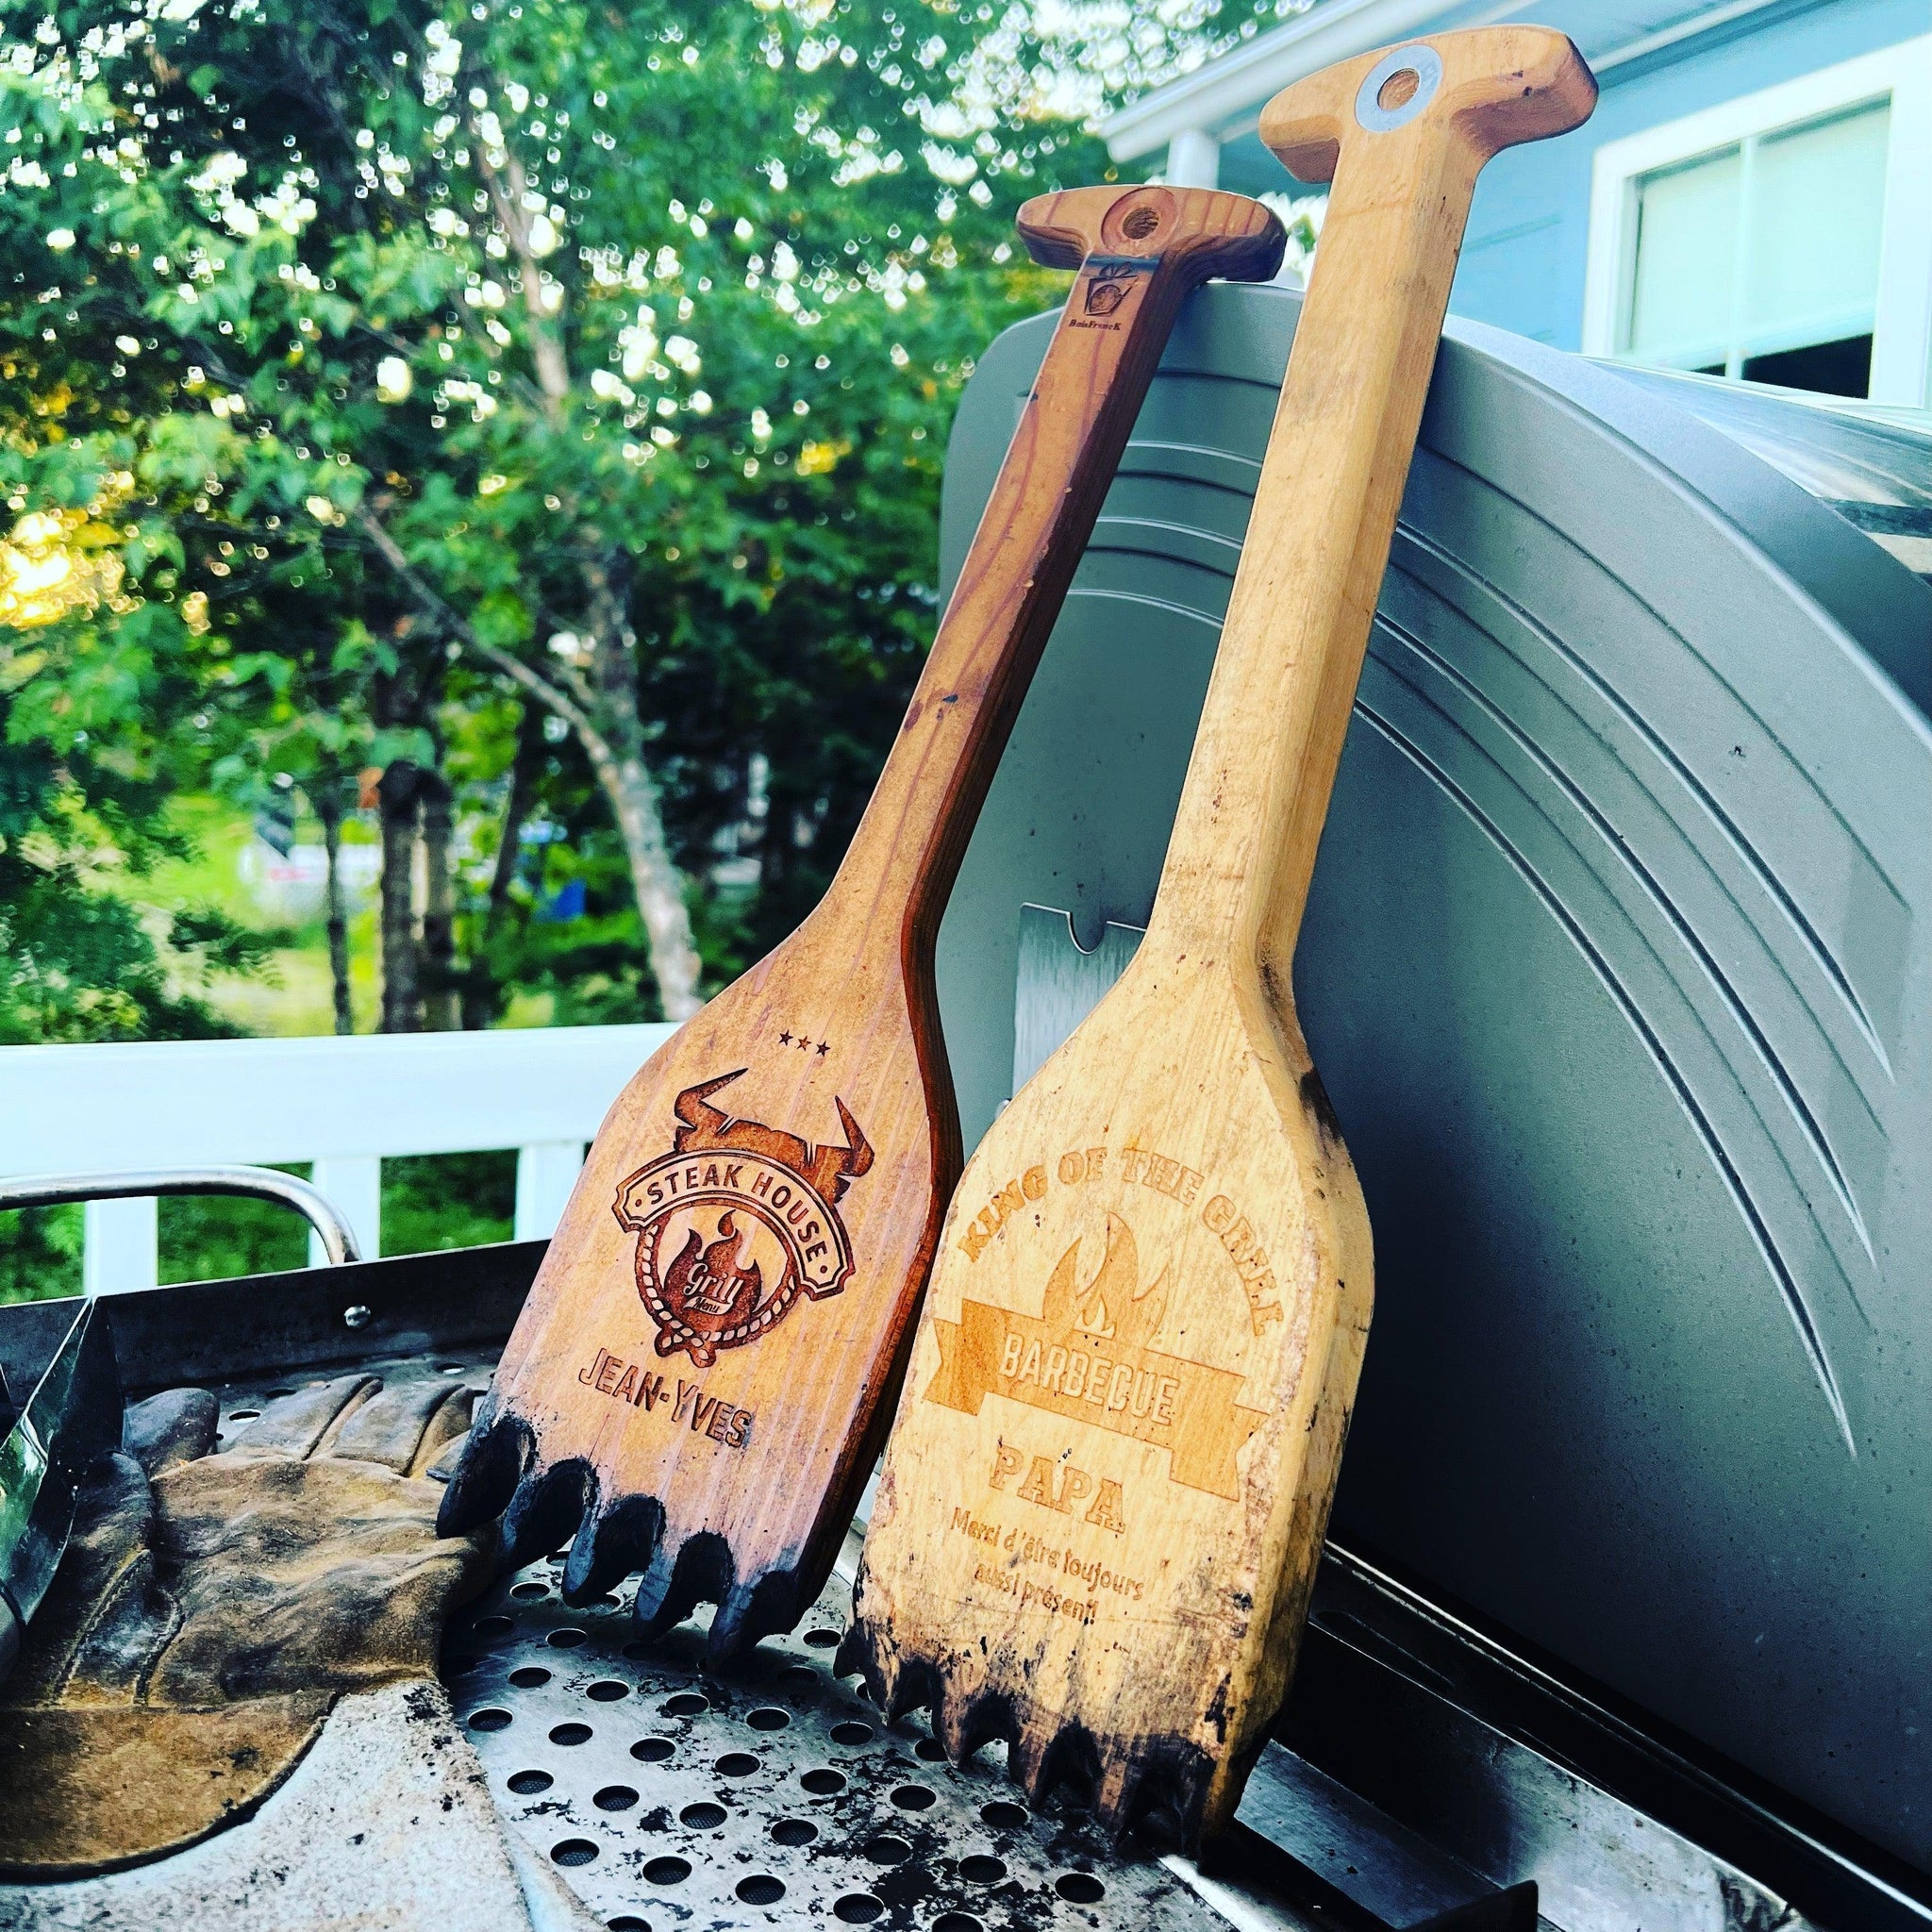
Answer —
402 1001
619 762
328 808
516 809
658 882
479 991
441 1008
604 715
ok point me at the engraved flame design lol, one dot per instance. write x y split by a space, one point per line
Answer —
1112 1305
713 1281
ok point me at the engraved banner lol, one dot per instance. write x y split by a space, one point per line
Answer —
1087 1357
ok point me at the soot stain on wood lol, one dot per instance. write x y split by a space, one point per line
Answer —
1321 1108
1217 1709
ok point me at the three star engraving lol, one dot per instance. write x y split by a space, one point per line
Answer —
805 1045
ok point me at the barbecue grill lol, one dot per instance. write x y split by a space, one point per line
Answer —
1626 891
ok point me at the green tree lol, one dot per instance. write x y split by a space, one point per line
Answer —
415 326
77 962
601 354
88 758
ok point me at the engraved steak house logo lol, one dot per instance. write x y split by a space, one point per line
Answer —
734 1222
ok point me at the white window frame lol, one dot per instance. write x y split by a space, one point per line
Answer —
1902 330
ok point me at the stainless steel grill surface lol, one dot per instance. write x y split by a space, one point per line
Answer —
1418 1755
773 1796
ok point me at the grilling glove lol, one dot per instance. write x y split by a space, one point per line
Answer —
210 1608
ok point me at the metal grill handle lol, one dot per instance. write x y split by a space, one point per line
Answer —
264 1183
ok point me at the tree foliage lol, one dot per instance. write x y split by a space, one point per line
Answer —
407 365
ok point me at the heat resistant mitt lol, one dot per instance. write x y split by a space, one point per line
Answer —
211 1607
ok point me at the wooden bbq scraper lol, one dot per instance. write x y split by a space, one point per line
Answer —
1106 1493
701 1375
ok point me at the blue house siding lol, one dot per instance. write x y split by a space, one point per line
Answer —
1522 265
1524 261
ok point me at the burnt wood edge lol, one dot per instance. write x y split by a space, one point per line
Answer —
1159 1800
549 1509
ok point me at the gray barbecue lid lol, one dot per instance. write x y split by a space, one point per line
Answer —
1617 969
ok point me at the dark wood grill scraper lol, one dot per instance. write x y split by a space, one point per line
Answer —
699 1381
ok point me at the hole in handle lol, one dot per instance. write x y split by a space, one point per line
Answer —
1397 88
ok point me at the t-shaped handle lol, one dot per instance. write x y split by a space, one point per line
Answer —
1138 252
1403 134
1192 230
1459 96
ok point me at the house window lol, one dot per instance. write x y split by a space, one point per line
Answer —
1785 238
1762 260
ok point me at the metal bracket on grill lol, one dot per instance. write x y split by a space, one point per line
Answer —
1320 1841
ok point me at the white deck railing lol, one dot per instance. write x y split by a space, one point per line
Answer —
341 1104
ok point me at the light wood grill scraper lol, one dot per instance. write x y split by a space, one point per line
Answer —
1105 1496
699 1379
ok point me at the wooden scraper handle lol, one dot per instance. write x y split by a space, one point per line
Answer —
1403 135
1139 251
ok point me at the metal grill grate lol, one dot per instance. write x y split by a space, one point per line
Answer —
772 1795
671 1799
1400 1702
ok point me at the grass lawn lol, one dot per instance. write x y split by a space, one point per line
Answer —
294 996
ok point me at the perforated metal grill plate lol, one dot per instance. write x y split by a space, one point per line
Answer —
772 1795
804 1807
677 1800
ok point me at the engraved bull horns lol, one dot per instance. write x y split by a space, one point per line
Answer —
829 1169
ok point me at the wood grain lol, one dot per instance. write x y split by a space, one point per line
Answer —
1105 1495
698 1381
